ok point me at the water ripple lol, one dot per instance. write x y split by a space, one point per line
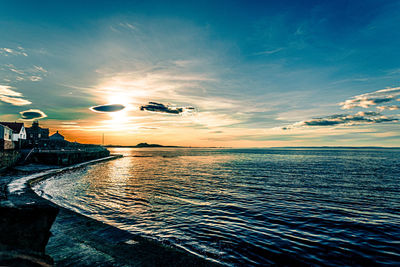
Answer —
249 206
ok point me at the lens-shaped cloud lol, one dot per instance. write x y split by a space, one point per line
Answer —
32 114
107 108
161 108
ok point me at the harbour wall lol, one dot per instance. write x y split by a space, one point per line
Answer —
66 157
8 159
26 220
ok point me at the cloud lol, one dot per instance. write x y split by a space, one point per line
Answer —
13 69
35 78
34 74
269 52
127 25
161 108
368 117
394 107
371 99
32 114
39 69
15 101
108 108
6 90
12 52
12 97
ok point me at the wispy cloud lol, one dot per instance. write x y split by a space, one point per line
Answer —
269 52
13 69
34 74
13 52
32 114
39 69
15 101
127 25
6 90
371 99
35 78
123 26
393 107
12 97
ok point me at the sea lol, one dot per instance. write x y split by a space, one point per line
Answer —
248 207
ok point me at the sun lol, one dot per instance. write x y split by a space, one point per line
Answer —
119 119
119 98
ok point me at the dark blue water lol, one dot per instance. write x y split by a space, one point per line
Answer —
249 206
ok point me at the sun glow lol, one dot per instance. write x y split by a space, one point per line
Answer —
119 98
119 119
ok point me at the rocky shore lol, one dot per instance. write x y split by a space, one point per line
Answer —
74 240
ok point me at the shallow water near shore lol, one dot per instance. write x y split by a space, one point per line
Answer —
248 206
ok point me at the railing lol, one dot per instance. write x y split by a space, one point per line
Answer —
66 150
30 152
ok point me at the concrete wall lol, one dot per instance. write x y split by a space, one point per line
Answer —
6 142
8 159
8 145
65 158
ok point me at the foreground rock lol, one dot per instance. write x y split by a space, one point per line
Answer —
25 230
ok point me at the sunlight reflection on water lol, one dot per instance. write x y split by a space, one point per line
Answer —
248 206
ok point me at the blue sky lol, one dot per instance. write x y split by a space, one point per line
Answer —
234 73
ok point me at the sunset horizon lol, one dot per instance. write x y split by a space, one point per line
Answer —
199 133
193 75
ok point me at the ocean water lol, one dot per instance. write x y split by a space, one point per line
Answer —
248 206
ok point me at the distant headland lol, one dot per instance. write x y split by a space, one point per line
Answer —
141 145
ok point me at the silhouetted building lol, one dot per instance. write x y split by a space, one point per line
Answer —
6 142
57 136
37 135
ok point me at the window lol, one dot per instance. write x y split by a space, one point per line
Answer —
39 135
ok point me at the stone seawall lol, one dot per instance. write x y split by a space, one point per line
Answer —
76 240
26 220
66 157
8 159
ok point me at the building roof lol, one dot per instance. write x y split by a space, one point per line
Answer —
4 126
36 128
15 126
57 136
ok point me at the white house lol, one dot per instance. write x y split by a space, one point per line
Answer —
18 128
6 138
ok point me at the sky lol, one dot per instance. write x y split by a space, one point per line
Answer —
204 73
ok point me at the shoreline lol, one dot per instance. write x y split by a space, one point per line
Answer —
80 240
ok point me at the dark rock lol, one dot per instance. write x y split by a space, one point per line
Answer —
26 227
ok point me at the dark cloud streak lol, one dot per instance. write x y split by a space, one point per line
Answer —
161 108
108 108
